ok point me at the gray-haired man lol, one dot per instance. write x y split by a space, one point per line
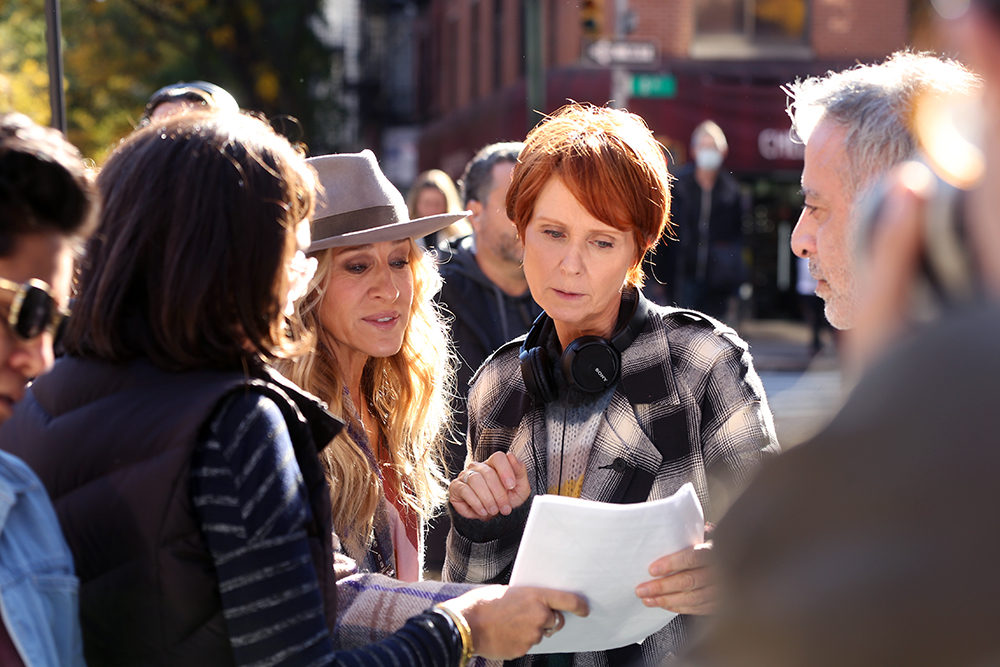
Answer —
855 125
875 543
484 283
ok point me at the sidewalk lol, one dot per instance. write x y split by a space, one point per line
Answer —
783 345
803 390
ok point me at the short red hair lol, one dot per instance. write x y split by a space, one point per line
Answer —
611 163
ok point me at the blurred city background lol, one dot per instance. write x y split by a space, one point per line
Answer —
425 83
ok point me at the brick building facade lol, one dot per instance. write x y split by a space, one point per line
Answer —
720 59
471 70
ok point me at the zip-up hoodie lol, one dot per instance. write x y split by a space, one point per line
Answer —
485 319
485 316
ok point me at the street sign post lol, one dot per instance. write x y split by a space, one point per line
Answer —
616 53
534 46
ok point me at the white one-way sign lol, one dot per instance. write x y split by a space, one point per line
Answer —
606 52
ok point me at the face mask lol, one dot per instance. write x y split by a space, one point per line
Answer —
708 159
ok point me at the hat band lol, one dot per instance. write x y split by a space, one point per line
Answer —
358 221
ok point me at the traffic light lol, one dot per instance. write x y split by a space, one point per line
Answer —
592 18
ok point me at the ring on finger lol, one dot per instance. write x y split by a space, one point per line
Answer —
556 626
468 475
560 622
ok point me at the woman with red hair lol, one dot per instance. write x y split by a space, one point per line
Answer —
608 397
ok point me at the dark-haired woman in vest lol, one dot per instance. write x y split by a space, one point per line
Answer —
671 396
184 472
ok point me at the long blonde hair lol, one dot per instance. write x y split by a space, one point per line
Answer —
408 394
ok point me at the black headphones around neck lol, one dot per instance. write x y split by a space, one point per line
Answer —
589 363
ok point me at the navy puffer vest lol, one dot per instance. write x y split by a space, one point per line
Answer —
113 445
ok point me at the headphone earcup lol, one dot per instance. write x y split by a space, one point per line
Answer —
535 370
590 363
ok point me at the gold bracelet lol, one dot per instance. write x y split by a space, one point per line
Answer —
463 630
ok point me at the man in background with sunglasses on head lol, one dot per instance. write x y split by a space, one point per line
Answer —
47 205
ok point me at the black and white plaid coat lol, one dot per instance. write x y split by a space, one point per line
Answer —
689 407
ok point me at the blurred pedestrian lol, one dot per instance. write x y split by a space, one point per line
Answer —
704 267
434 193
48 207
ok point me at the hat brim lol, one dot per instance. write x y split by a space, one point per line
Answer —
396 231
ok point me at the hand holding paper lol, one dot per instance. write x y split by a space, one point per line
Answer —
506 621
603 552
686 582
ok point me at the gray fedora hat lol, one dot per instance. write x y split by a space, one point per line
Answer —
362 206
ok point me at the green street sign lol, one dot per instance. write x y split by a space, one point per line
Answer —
654 85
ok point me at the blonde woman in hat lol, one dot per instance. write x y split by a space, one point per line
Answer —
381 361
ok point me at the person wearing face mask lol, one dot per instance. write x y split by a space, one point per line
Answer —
705 269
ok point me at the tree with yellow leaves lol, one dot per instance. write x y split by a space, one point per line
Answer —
117 52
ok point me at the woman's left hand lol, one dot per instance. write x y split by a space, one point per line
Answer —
685 582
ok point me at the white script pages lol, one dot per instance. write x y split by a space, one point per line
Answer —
603 551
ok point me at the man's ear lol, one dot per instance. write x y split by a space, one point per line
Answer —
477 211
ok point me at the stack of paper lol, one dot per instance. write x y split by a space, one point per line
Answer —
603 552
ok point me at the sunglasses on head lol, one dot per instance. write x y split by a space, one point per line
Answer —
33 310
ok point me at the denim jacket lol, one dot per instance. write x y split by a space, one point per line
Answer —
39 593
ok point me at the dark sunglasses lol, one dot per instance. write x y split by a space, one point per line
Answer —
33 310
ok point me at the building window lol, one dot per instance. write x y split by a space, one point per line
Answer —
749 27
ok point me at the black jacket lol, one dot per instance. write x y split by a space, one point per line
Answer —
485 317
676 262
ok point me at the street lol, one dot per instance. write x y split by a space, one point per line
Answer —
802 402
803 390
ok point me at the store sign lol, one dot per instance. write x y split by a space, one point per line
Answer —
778 145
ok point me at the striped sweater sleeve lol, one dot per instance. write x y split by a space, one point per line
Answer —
251 503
